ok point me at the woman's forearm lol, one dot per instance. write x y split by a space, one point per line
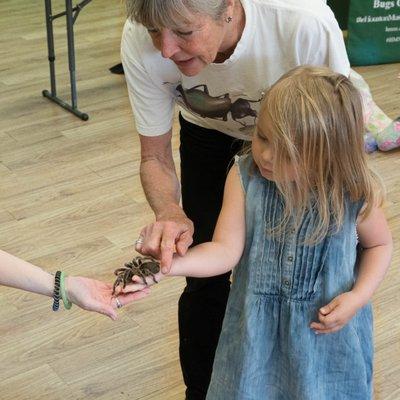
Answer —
374 264
161 186
20 274
158 175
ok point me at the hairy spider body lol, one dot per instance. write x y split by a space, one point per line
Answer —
140 266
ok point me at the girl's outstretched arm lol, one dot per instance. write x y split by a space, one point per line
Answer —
224 251
376 240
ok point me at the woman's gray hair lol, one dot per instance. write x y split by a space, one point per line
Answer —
170 13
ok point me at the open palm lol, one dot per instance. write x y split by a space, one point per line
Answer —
94 295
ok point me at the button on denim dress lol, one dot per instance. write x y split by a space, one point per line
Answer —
267 350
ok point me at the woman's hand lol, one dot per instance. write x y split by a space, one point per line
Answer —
337 313
173 232
94 295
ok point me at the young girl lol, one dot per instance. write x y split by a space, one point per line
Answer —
298 324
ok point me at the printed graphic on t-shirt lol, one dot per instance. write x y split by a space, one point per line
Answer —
199 101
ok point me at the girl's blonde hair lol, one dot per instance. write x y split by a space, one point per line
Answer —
317 127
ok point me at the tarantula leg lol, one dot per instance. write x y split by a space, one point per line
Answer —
142 275
116 284
153 277
128 277
149 273
119 271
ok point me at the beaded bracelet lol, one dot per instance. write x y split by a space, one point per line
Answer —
56 293
67 303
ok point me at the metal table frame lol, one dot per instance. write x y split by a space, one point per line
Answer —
71 13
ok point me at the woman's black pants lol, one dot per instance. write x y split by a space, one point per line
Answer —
206 156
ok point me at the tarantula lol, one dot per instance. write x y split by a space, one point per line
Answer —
140 266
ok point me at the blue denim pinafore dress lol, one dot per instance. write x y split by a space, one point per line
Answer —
267 350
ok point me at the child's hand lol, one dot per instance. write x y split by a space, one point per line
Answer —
337 313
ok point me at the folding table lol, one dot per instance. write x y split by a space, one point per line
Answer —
71 12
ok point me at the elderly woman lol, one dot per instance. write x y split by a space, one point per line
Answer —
212 58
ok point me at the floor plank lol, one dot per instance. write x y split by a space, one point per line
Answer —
70 198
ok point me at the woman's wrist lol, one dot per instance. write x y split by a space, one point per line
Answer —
68 285
63 292
48 283
170 212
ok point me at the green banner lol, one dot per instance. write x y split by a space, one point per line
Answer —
374 32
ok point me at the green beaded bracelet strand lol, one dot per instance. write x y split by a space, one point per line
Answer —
67 303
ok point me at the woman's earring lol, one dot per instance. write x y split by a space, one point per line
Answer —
228 20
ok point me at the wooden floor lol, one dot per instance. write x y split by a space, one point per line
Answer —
70 199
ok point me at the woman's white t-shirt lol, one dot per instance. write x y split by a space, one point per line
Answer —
278 36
